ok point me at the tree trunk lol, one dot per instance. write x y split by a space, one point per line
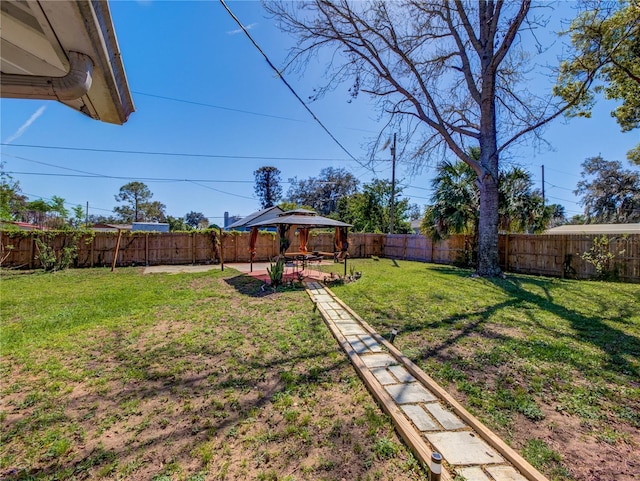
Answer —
488 260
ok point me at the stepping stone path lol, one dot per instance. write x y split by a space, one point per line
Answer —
426 417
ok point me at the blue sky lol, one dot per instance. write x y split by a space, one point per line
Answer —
234 115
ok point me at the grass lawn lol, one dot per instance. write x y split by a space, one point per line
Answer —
551 365
204 376
180 377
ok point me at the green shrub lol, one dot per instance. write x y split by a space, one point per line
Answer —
601 257
276 272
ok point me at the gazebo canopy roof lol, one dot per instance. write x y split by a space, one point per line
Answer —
301 217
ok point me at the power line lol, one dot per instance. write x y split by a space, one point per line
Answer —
65 202
558 187
565 173
117 177
146 179
202 104
564 200
231 109
221 191
181 154
281 77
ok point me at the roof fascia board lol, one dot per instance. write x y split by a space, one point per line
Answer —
114 108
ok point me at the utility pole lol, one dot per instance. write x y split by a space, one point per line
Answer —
543 202
86 216
393 186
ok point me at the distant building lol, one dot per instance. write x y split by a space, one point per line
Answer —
230 219
102 227
416 225
259 216
150 227
20 225
594 229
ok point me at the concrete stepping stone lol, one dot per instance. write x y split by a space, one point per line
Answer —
420 418
473 473
505 473
371 343
401 374
433 424
446 418
358 346
409 393
350 328
323 297
460 448
378 360
383 376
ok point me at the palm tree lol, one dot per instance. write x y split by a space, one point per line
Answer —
455 205
455 202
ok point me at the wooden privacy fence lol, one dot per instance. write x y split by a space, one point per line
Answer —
549 255
553 255
20 249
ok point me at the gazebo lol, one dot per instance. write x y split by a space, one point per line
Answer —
303 220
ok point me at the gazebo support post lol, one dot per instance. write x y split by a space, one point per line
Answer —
346 254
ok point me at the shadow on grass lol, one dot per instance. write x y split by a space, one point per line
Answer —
619 348
250 286
590 329
247 285
243 395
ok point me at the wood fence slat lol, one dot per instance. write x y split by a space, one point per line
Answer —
553 255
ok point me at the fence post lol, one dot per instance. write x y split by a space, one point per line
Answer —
506 253
31 251
115 254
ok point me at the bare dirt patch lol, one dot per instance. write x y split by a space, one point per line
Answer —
253 387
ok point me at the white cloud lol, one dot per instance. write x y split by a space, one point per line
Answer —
248 27
26 125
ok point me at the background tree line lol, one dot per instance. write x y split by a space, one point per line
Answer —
135 206
451 76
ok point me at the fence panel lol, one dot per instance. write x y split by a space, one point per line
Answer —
554 255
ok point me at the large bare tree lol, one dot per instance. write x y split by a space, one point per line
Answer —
450 74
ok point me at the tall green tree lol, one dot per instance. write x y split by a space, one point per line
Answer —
12 201
268 188
456 201
154 211
36 212
177 224
137 205
447 74
605 38
196 220
79 216
323 192
609 193
369 210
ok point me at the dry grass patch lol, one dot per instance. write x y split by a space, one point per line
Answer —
180 377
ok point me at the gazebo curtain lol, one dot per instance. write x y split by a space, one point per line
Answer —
252 242
303 233
341 239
